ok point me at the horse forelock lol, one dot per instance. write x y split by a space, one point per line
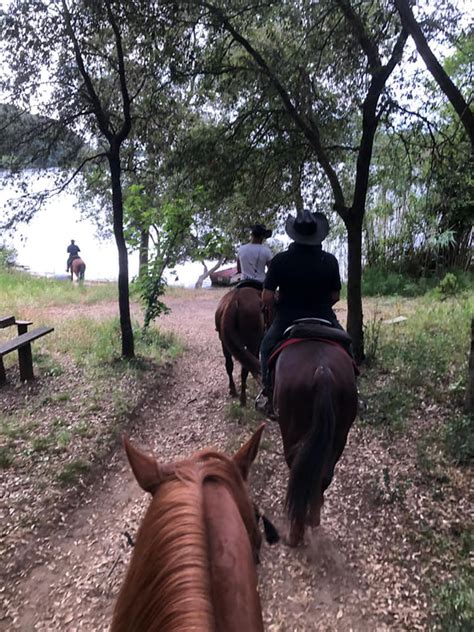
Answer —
167 586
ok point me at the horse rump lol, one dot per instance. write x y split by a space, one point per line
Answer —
238 322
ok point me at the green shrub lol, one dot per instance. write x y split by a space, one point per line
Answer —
7 256
380 281
377 281
455 605
448 286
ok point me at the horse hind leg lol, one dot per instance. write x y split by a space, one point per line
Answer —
229 367
243 386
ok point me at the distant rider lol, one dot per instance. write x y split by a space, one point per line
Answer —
309 284
253 258
73 251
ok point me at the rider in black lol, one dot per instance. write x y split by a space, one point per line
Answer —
73 251
309 284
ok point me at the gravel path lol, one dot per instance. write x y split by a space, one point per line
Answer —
335 582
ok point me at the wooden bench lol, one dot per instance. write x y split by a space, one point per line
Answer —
23 343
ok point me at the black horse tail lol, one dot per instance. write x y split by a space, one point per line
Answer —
307 469
231 339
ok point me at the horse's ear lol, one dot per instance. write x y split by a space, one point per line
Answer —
247 453
144 466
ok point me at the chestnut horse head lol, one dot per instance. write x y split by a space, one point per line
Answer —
78 267
239 323
315 396
193 565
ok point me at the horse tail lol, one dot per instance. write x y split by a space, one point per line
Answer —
229 331
307 469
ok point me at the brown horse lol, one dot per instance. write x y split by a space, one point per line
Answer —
315 397
193 565
239 323
78 267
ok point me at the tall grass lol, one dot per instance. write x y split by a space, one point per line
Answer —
20 291
98 344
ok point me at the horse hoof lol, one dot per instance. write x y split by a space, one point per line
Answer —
291 539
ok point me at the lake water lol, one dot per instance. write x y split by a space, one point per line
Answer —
41 244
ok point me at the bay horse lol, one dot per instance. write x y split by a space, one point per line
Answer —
239 323
78 267
315 398
193 564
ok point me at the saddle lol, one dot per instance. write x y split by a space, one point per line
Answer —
256 285
317 328
313 329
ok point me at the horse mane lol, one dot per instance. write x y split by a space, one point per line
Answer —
167 586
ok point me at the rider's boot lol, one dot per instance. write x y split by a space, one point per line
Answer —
264 404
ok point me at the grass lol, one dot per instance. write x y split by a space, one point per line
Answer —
458 437
72 472
22 292
6 456
414 384
455 604
98 344
56 431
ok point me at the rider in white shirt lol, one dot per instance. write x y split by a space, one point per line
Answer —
254 257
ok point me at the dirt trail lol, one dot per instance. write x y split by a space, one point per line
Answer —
322 586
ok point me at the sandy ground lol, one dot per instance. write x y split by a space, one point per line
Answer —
342 579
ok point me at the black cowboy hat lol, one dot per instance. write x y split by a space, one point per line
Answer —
259 230
307 228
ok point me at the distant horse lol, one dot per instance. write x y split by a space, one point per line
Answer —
193 565
239 323
78 267
315 397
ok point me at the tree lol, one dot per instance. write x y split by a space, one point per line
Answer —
441 77
419 215
101 72
322 68
38 141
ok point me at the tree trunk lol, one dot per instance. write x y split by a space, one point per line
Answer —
354 285
143 252
123 289
207 272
